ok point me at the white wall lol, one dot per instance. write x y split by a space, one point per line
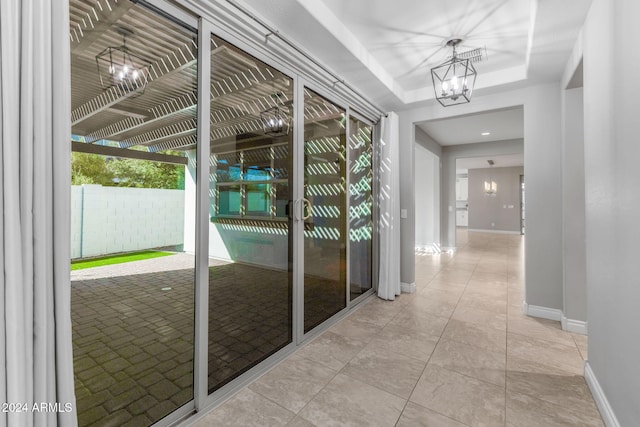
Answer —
76 220
106 220
612 178
252 244
543 192
427 176
190 204
501 211
573 206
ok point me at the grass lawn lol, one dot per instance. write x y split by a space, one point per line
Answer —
116 259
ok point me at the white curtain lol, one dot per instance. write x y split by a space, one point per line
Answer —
36 362
389 283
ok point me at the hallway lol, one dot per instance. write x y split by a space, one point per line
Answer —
458 352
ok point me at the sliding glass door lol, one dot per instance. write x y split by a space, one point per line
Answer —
221 210
250 232
360 207
324 209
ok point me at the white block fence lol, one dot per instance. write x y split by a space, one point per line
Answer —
106 220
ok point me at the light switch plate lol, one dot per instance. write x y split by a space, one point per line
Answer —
403 213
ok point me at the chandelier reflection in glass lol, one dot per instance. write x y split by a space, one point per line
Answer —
119 66
275 120
490 186
453 80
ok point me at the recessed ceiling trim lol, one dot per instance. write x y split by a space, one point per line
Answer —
339 30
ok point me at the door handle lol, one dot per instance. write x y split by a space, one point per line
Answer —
306 203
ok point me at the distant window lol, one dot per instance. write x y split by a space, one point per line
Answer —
251 183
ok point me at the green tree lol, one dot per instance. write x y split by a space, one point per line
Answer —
89 169
145 174
112 171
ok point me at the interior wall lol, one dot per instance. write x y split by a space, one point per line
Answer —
611 151
499 212
450 154
426 196
573 206
543 192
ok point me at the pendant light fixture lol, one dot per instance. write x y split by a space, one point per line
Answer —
454 79
119 66
275 120
490 186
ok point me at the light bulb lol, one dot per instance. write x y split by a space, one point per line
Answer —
121 75
134 74
112 69
454 83
445 86
125 69
280 122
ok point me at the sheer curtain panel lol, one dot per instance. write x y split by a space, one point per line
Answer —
36 363
389 283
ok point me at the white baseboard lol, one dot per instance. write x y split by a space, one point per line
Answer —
542 312
408 288
606 411
449 249
569 325
495 231
575 326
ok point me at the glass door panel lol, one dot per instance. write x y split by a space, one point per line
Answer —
324 207
360 207
132 281
250 269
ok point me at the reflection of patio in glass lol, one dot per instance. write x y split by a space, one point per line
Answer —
133 334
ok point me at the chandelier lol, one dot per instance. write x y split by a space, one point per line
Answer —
490 186
454 79
275 120
119 66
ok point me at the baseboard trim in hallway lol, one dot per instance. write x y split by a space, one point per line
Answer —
543 312
408 288
575 326
606 411
495 231
569 325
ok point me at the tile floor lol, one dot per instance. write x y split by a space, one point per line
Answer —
458 352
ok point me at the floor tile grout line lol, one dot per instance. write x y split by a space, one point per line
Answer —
435 347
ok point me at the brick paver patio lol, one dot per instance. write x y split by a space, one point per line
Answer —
133 333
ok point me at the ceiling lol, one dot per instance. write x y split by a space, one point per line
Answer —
505 161
386 48
500 124
382 48
408 36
